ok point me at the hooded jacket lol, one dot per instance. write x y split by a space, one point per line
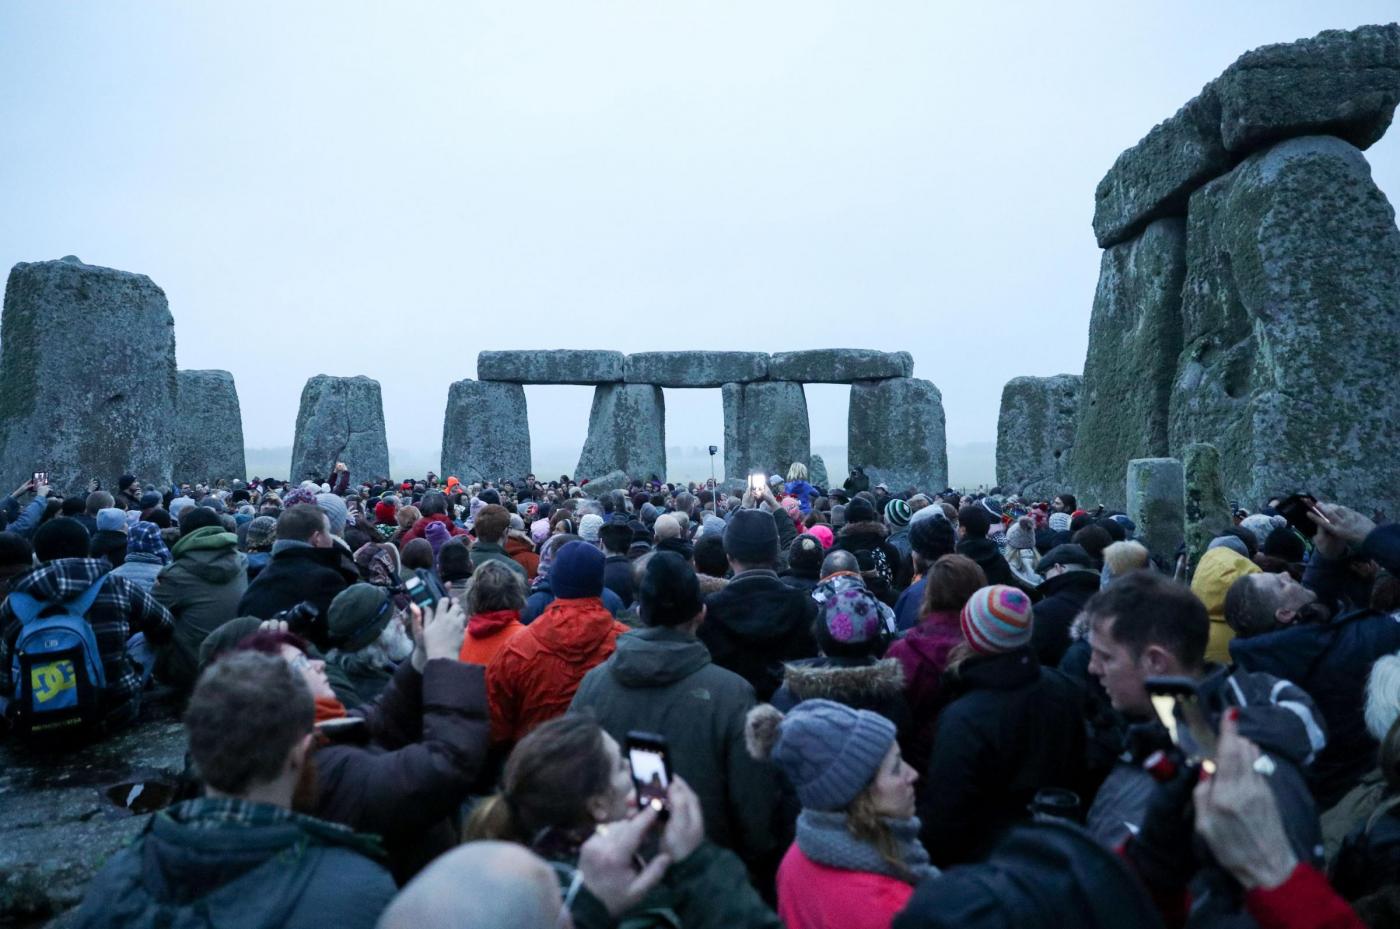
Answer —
542 595
1216 571
861 683
1331 663
406 771
533 678
755 624
661 680
885 559
201 588
487 634
121 610
1062 597
1012 729
923 653
989 558
300 573
298 873
523 552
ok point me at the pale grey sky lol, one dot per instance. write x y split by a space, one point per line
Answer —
385 189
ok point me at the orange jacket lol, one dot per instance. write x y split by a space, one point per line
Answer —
533 678
487 634
523 554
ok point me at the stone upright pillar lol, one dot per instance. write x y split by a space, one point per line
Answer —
485 432
1156 504
898 434
1207 510
340 419
1035 434
87 376
765 427
626 432
208 428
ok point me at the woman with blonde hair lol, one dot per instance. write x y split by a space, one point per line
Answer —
798 487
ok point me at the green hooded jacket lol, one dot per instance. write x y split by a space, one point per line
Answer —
201 589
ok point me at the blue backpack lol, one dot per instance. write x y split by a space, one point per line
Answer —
56 668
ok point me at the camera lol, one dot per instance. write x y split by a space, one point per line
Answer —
300 618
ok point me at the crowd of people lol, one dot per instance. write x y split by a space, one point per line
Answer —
427 704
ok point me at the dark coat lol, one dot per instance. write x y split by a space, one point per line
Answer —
755 624
298 874
861 683
201 588
297 574
1013 729
660 680
1062 598
405 771
910 605
1331 662
109 544
879 560
617 577
990 560
542 595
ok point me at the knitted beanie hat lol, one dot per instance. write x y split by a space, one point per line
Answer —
577 571
997 619
897 513
828 751
1021 534
1059 522
262 532
588 527
823 534
111 519
751 537
859 510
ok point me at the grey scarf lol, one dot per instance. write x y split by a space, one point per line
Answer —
824 838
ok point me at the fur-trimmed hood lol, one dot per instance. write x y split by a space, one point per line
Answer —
845 683
865 527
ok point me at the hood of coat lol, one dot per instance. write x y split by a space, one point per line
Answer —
656 656
1006 671
981 551
1285 728
1078 581
710 585
210 554
61 579
573 628
484 625
845 682
757 605
516 545
867 532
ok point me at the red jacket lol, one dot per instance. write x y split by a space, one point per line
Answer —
532 680
523 553
417 531
815 896
1304 901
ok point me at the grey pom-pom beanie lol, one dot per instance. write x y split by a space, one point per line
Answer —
828 751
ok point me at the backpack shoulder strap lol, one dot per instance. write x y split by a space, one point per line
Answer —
87 598
26 606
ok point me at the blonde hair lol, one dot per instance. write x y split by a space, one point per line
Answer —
798 471
1122 557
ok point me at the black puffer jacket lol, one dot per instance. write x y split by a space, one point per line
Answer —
1061 599
1013 729
755 624
879 560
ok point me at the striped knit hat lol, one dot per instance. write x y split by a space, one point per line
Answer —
997 619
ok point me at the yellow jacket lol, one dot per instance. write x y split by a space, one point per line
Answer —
1218 569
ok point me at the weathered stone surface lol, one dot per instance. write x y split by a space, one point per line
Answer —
816 471
607 483
340 419
208 428
1134 341
839 365
87 375
1156 177
1156 504
1035 434
1341 83
59 822
1207 509
626 432
1291 316
695 369
485 432
555 366
765 427
897 433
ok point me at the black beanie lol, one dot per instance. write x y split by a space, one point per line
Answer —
61 537
670 592
751 538
1284 543
805 556
577 571
931 538
859 510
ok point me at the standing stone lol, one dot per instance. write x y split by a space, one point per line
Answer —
208 428
1156 504
1291 316
1134 341
626 432
1207 510
839 365
485 432
765 427
896 431
557 366
87 376
340 419
695 369
1035 433
816 471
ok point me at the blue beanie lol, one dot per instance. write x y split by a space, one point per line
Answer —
577 571
828 751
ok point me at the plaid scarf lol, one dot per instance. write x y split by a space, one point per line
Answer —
224 812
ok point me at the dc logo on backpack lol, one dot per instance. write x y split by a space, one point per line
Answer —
56 667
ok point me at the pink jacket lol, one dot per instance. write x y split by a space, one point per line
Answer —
814 896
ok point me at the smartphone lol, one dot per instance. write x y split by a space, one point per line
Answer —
424 589
648 755
1295 508
1177 703
757 483
41 477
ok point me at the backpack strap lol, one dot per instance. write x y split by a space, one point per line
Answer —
84 601
28 607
